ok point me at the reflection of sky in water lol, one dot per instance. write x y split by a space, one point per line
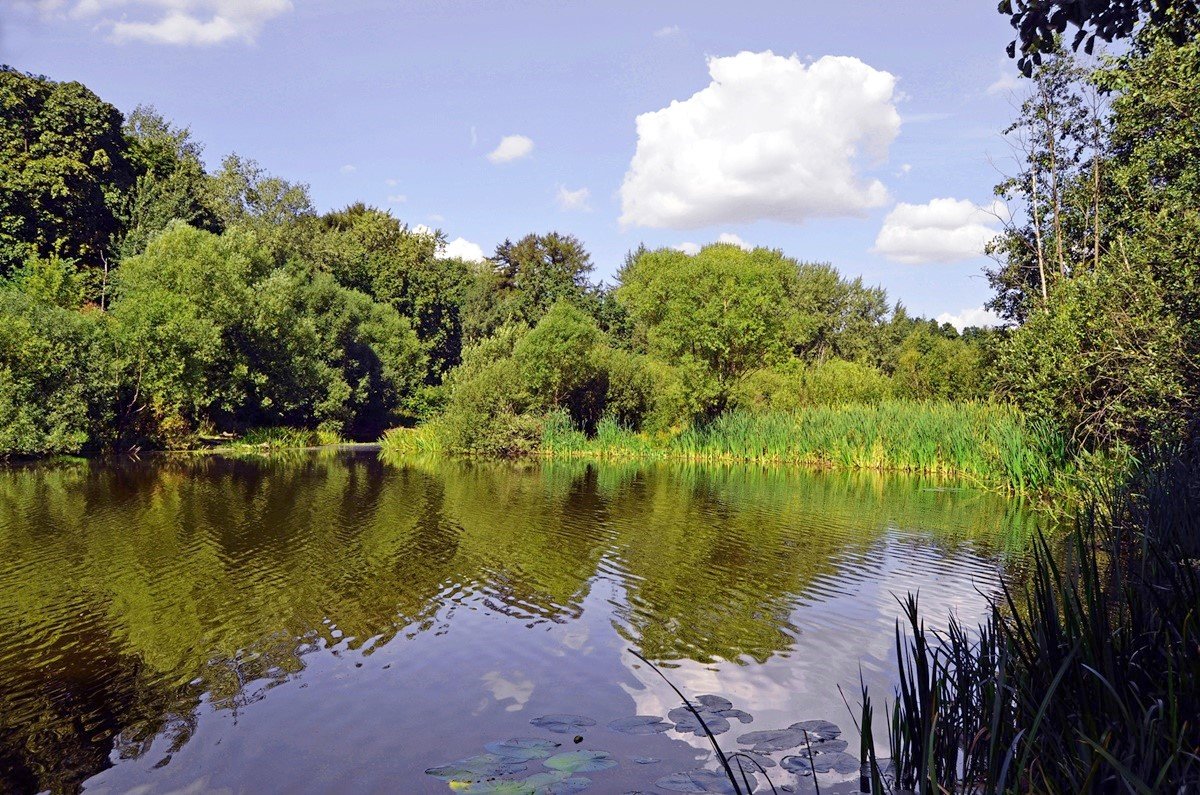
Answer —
408 616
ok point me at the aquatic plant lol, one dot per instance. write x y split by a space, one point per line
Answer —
1084 678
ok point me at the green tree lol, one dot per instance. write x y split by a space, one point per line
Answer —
64 171
538 271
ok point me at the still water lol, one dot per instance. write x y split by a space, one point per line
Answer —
318 622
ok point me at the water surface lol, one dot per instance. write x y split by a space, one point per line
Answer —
316 622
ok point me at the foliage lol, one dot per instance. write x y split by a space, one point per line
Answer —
1085 679
63 170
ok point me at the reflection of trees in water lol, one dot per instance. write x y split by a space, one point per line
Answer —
143 588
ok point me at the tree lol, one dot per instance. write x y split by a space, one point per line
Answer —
538 271
1041 23
63 171
719 314
277 213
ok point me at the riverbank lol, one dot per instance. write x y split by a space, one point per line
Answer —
989 444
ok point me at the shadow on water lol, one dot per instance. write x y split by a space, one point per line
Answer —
329 619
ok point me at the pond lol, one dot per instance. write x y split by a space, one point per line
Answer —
326 621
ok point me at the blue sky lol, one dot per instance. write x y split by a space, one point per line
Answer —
837 154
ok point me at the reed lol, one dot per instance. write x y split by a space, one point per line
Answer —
990 443
1086 678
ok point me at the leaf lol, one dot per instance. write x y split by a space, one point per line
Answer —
837 762
562 724
701 781
715 703
537 784
476 768
520 749
822 728
770 740
646 760
581 761
744 717
640 724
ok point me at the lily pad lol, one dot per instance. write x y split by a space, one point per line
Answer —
761 758
715 703
687 722
837 762
730 714
476 768
537 784
640 724
520 749
829 746
646 760
702 781
581 761
822 728
771 740
562 724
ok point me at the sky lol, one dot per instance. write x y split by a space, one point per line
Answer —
865 134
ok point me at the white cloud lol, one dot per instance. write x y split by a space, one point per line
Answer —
904 170
667 32
460 248
770 137
511 147
349 169
1004 84
691 249
734 240
942 230
971 317
397 198
437 218
178 22
391 183
573 199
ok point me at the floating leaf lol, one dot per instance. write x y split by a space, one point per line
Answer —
744 717
646 760
837 762
640 724
521 749
821 728
770 740
702 781
476 768
687 723
758 756
581 761
830 746
562 724
715 703
537 784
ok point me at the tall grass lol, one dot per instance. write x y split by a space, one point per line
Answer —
987 442
1086 679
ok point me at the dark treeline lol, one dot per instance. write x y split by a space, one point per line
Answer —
148 302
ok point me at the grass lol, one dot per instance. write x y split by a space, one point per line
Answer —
988 443
1086 679
279 438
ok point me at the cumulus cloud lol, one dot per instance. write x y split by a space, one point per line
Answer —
573 199
667 32
689 248
979 316
1004 84
397 198
733 240
349 168
769 138
461 248
942 230
176 22
511 147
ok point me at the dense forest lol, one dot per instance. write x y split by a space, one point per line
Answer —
149 302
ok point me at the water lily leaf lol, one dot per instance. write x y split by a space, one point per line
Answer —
702 781
562 724
730 714
538 784
758 756
771 740
689 724
837 762
476 768
646 760
829 746
520 749
640 724
581 761
715 703
822 728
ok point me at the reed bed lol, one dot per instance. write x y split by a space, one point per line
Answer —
989 443
1085 679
